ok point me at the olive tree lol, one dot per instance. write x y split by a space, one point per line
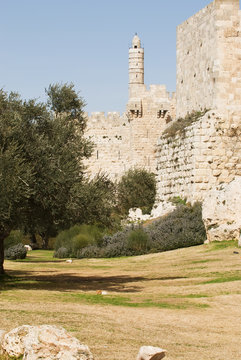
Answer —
42 147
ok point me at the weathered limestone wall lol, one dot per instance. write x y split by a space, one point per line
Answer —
228 27
154 102
123 142
206 154
111 138
208 60
196 55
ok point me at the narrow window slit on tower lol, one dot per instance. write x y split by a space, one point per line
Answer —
162 113
97 154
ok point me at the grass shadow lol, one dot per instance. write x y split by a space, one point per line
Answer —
64 282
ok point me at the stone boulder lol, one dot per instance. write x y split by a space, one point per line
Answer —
159 209
162 208
44 342
135 215
2 333
151 353
221 211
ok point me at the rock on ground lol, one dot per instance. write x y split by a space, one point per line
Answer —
158 210
222 211
44 342
2 333
151 353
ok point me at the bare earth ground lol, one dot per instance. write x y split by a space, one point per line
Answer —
187 301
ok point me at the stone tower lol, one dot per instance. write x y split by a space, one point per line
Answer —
136 67
128 141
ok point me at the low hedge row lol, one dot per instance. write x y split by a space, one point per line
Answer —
181 228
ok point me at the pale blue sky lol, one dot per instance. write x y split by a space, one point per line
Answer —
86 42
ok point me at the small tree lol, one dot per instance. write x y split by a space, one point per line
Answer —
136 189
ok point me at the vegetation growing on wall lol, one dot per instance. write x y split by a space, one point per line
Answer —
181 124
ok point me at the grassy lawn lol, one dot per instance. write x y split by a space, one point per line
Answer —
186 301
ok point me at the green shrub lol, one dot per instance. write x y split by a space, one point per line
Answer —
177 200
91 251
127 242
80 241
137 241
15 237
15 252
61 253
76 238
94 232
181 228
136 189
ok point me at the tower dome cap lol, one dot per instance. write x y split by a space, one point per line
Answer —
136 42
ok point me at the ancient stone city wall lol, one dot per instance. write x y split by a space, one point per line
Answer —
121 144
128 141
110 135
208 76
208 153
208 60
196 54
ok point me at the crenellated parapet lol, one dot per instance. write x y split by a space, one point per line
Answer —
101 120
153 102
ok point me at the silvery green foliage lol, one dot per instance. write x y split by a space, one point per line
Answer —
16 252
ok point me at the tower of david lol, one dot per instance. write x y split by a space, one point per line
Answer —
206 154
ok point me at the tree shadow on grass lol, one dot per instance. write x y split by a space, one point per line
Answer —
64 282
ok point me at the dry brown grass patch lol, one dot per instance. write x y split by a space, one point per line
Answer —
159 299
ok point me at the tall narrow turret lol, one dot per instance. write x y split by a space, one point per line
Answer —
136 66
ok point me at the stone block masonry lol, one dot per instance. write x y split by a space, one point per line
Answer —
208 60
206 154
121 143
128 141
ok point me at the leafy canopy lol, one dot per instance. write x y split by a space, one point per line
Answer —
42 147
136 189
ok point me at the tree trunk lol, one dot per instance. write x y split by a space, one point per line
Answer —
33 239
1 257
3 235
45 241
